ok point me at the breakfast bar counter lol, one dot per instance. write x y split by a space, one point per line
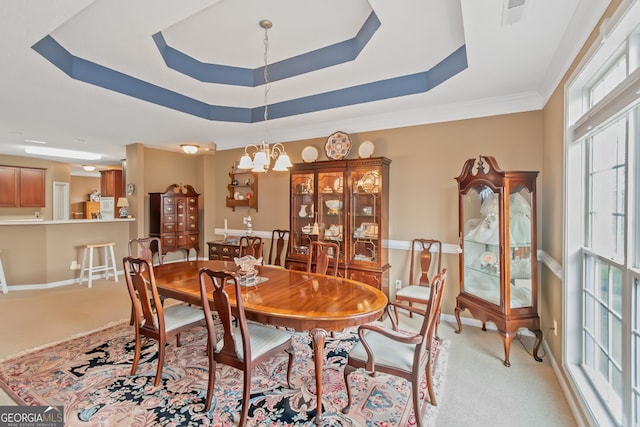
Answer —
39 253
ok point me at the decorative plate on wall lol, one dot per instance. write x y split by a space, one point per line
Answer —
365 150
309 154
337 146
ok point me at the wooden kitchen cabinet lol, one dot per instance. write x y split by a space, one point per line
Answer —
111 183
91 210
22 187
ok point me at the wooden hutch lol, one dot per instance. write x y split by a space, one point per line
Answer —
173 217
346 202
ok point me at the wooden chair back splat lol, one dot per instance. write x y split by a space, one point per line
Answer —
324 255
150 318
259 342
278 239
250 245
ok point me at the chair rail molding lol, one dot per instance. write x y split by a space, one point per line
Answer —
552 264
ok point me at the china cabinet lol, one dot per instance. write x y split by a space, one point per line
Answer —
498 271
243 190
173 217
346 202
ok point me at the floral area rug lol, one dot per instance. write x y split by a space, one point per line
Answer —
90 376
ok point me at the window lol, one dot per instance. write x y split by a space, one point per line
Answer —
603 229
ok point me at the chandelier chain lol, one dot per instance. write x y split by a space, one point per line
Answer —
267 84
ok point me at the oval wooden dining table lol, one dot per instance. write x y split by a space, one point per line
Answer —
294 299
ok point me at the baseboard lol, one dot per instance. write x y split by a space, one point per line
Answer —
578 415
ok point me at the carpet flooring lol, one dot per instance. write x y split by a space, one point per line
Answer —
90 376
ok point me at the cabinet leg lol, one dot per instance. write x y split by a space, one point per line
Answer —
538 334
507 338
457 313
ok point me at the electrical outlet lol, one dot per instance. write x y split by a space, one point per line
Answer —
555 327
74 265
398 284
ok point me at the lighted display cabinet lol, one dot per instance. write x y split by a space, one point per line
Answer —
346 202
498 270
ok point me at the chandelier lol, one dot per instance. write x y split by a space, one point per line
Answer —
263 154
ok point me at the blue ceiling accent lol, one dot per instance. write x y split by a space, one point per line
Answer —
99 75
345 51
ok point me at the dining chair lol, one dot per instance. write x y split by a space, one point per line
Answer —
150 318
404 354
243 346
421 269
147 248
250 245
278 254
323 255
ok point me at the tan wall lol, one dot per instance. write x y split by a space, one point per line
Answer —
553 197
423 191
42 253
79 189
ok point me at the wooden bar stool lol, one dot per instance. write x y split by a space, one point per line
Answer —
3 280
108 266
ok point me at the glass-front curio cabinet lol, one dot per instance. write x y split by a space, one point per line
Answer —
346 202
498 268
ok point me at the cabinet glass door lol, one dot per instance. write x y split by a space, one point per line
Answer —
365 215
331 208
481 239
520 238
302 212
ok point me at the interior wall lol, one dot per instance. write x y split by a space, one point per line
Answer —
552 230
423 191
79 189
56 172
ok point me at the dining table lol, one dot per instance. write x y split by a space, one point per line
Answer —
298 300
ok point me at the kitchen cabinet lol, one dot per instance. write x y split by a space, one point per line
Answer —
22 187
111 183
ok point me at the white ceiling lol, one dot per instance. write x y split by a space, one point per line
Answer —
510 68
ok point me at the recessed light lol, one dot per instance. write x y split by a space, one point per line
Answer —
58 152
89 168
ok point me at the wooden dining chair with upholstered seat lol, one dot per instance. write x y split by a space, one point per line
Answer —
323 257
403 354
243 346
421 269
250 245
278 247
150 318
147 248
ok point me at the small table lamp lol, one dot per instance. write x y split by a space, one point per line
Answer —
123 204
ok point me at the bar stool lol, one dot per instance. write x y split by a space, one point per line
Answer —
109 256
3 280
